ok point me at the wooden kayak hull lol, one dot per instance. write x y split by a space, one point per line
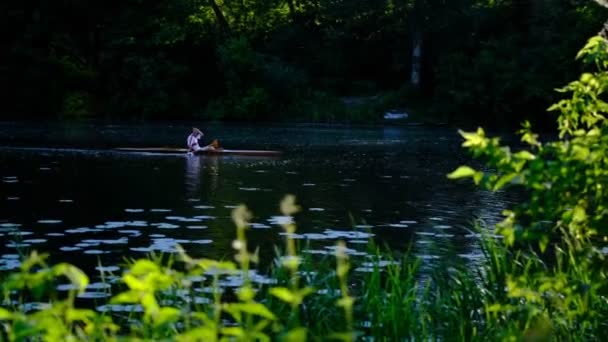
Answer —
217 152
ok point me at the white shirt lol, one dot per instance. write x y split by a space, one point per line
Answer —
193 142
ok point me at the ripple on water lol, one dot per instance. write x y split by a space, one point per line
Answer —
9 262
196 227
442 226
9 226
120 308
80 230
133 233
122 224
46 221
164 225
250 189
13 198
203 207
35 241
137 210
182 219
204 217
316 209
107 268
408 222
397 225
91 286
280 220
66 201
122 240
14 244
259 226
69 249
141 249
95 251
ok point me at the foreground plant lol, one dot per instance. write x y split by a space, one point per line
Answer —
558 236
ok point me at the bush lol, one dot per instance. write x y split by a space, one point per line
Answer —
558 236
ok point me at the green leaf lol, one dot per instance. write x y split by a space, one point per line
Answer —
346 302
76 276
525 155
79 315
254 309
233 331
296 335
283 294
502 181
143 267
5 314
579 214
166 315
245 293
129 297
202 334
462 172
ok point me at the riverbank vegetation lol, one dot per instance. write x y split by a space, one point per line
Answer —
542 275
486 62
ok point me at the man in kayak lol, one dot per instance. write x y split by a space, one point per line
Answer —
193 145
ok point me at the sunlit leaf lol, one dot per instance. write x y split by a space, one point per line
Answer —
461 172
5 314
296 335
253 309
283 294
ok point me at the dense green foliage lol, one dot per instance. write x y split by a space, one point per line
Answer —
558 236
543 276
489 61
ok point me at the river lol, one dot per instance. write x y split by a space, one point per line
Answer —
64 191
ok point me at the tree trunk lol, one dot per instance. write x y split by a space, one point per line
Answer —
416 59
221 19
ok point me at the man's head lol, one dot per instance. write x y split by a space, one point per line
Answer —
197 132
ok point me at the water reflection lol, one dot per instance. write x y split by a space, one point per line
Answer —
197 168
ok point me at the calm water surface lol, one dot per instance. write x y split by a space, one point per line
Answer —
64 191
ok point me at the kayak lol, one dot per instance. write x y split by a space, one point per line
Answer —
217 152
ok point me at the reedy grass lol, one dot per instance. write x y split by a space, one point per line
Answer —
314 298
